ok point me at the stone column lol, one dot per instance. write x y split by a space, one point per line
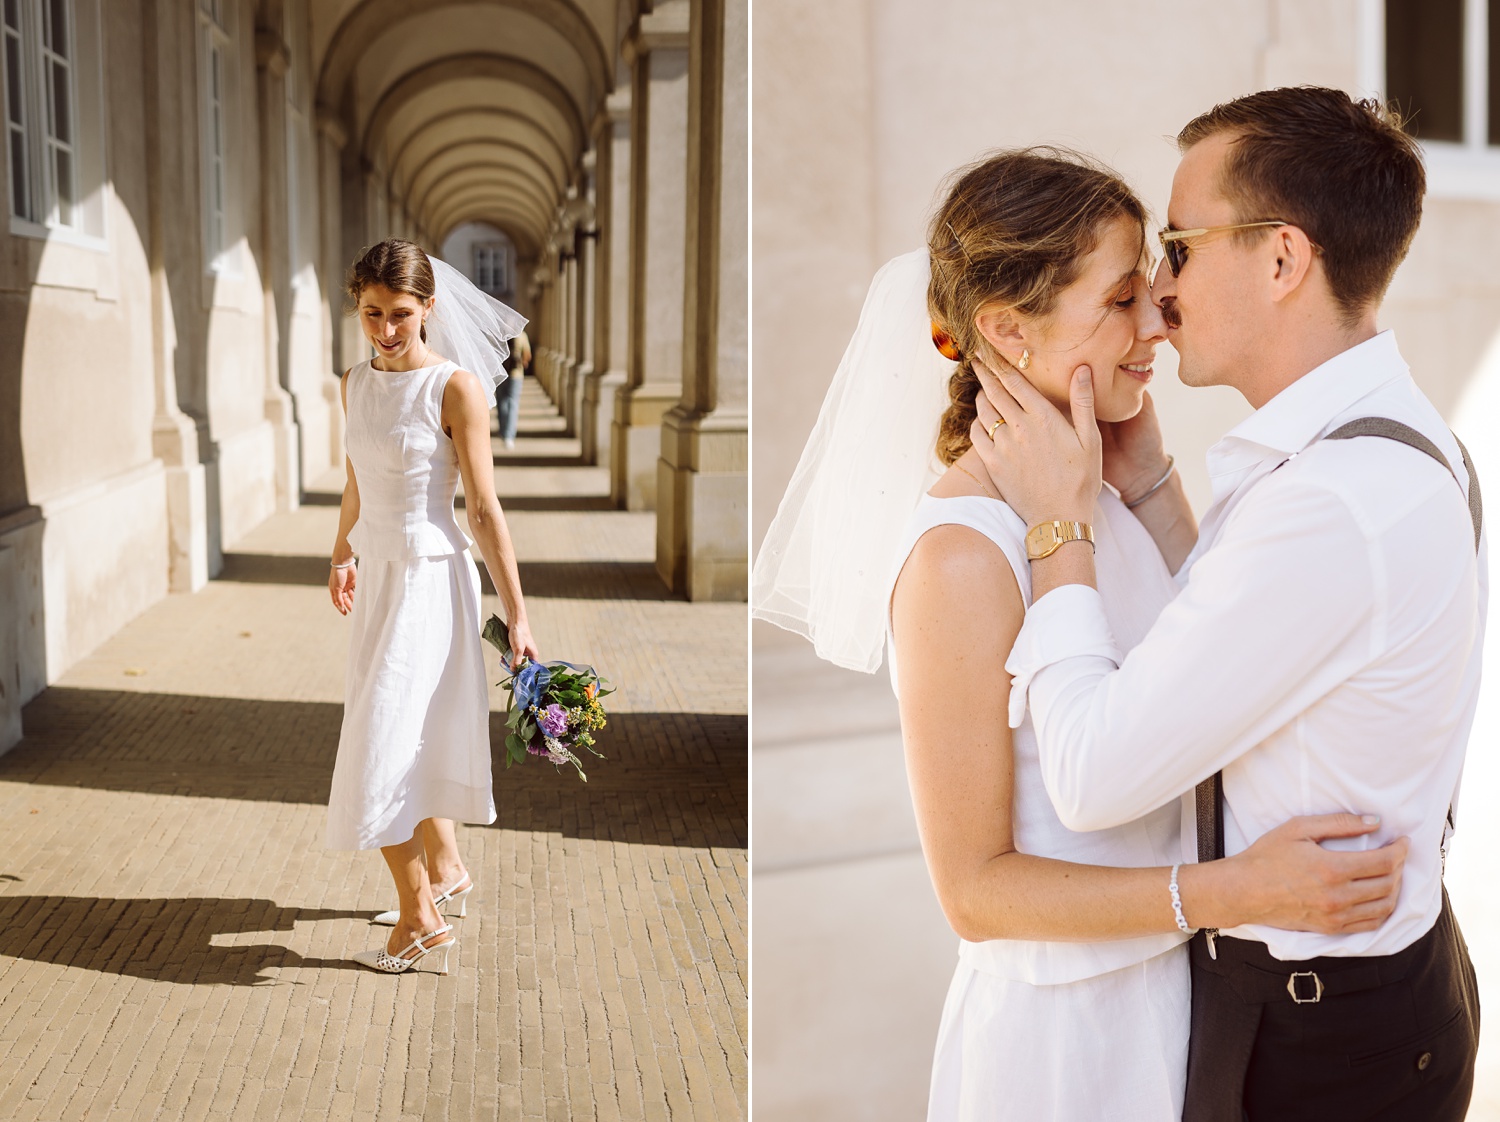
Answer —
612 276
342 352
567 299
546 304
702 537
584 236
174 434
271 59
657 52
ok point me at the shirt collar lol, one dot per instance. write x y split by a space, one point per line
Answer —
1299 414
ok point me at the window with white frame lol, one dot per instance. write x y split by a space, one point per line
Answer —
216 71
492 268
41 96
1442 67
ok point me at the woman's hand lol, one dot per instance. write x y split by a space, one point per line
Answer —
1044 462
1133 453
522 645
1287 880
341 588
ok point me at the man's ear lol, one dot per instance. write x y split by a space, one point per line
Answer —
1001 328
1293 257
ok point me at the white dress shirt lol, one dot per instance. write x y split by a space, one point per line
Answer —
1323 652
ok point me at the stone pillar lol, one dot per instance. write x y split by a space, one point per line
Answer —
702 538
568 305
271 59
542 341
612 276
658 55
584 236
174 434
10 650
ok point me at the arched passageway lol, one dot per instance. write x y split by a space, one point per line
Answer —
230 158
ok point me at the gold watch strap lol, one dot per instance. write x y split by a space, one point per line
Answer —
1043 539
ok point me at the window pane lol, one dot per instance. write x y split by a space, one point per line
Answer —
13 79
1424 65
213 74
63 128
20 197
64 166
1494 56
57 28
13 14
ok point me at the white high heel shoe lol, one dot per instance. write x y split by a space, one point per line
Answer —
387 963
454 893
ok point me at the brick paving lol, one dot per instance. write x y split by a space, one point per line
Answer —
174 938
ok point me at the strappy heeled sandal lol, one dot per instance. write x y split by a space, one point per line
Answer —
454 893
387 963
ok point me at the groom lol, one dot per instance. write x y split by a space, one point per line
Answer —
1323 652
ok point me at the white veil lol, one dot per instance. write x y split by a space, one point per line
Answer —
471 327
828 561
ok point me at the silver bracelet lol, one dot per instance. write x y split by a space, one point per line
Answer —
349 564
1157 486
1182 922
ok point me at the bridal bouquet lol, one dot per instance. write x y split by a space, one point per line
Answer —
554 706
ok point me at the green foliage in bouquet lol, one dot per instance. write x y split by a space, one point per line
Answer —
554 706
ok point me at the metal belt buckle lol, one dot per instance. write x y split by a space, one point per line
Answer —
1298 992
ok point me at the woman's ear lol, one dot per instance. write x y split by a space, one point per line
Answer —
1001 328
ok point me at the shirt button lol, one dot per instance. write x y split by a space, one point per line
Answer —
1423 1060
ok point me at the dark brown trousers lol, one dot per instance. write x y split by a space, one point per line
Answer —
1388 1038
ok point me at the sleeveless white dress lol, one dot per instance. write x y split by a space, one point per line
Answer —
1034 1030
415 739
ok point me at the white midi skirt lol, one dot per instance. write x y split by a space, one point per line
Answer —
1108 1047
415 741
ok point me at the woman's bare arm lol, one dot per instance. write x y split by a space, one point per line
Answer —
341 581
956 611
466 419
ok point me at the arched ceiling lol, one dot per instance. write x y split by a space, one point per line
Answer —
471 109
427 138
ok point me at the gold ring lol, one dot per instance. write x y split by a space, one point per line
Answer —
995 426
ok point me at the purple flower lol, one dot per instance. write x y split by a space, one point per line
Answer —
554 720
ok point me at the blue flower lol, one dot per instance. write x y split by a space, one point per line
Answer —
530 684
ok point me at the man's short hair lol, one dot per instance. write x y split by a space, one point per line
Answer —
1343 170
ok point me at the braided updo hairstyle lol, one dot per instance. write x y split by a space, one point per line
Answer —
1014 229
399 265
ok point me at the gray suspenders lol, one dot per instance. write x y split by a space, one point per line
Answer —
1210 793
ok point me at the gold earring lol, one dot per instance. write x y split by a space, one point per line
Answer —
1025 362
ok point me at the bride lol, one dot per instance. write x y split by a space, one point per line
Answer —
1071 995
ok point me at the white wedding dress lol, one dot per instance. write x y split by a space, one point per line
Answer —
415 739
1034 1031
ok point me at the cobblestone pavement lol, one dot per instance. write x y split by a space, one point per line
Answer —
174 938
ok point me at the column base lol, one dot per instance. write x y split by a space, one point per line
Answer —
174 439
573 396
11 698
637 443
288 474
596 424
702 541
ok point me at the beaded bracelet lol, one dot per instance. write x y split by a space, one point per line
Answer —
1182 922
1155 487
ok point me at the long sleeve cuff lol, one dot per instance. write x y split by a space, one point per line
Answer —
1068 622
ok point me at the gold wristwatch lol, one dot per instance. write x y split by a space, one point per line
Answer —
1043 539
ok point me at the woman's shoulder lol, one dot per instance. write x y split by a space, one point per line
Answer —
961 539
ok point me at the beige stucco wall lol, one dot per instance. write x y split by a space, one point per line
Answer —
859 111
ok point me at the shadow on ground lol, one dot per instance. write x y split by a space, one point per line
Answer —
163 940
570 580
667 779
